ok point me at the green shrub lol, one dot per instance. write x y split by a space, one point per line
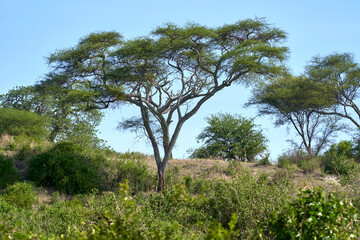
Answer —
9 174
284 161
252 202
217 232
282 177
234 168
67 147
23 123
131 225
310 164
314 216
340 159
64 168
344 148
295 156
265 160
5 207
137 173
132 155
21 194
338 164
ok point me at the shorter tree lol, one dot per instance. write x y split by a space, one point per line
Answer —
230 137
68 118
16 123
293 100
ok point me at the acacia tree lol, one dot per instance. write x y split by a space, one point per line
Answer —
169 74
294 100
340 73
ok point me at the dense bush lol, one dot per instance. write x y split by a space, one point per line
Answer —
316 216
131 225
344 148
230 137
293 156
5 207
251 201
339 159
310 164
16 123
21 194
137 174
307 163
66 169
70 168
9 174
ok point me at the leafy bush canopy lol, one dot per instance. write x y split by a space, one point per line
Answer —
16 123
8 172
64 168
316 216
230 137
340 159
21 194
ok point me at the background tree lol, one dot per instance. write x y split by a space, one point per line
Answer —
68 118
230 137
339 73
294 100
23 123
170 74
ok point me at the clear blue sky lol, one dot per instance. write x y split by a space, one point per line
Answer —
31 30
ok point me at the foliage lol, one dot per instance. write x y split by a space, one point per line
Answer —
5 207
217 232
247 207
342 148
136 173
292 100
231 137
339 164
339 159
251 201
66 169
286 160
265 160
20 194
9 174
130 225
310 164
307 163
316 216
283 177
16 123
67 118
339 74
132 155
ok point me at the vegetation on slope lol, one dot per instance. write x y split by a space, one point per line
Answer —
204 199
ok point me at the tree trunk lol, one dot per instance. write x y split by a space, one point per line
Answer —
161 179
53 134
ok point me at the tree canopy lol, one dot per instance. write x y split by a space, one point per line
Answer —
230 137
294 100
341 74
